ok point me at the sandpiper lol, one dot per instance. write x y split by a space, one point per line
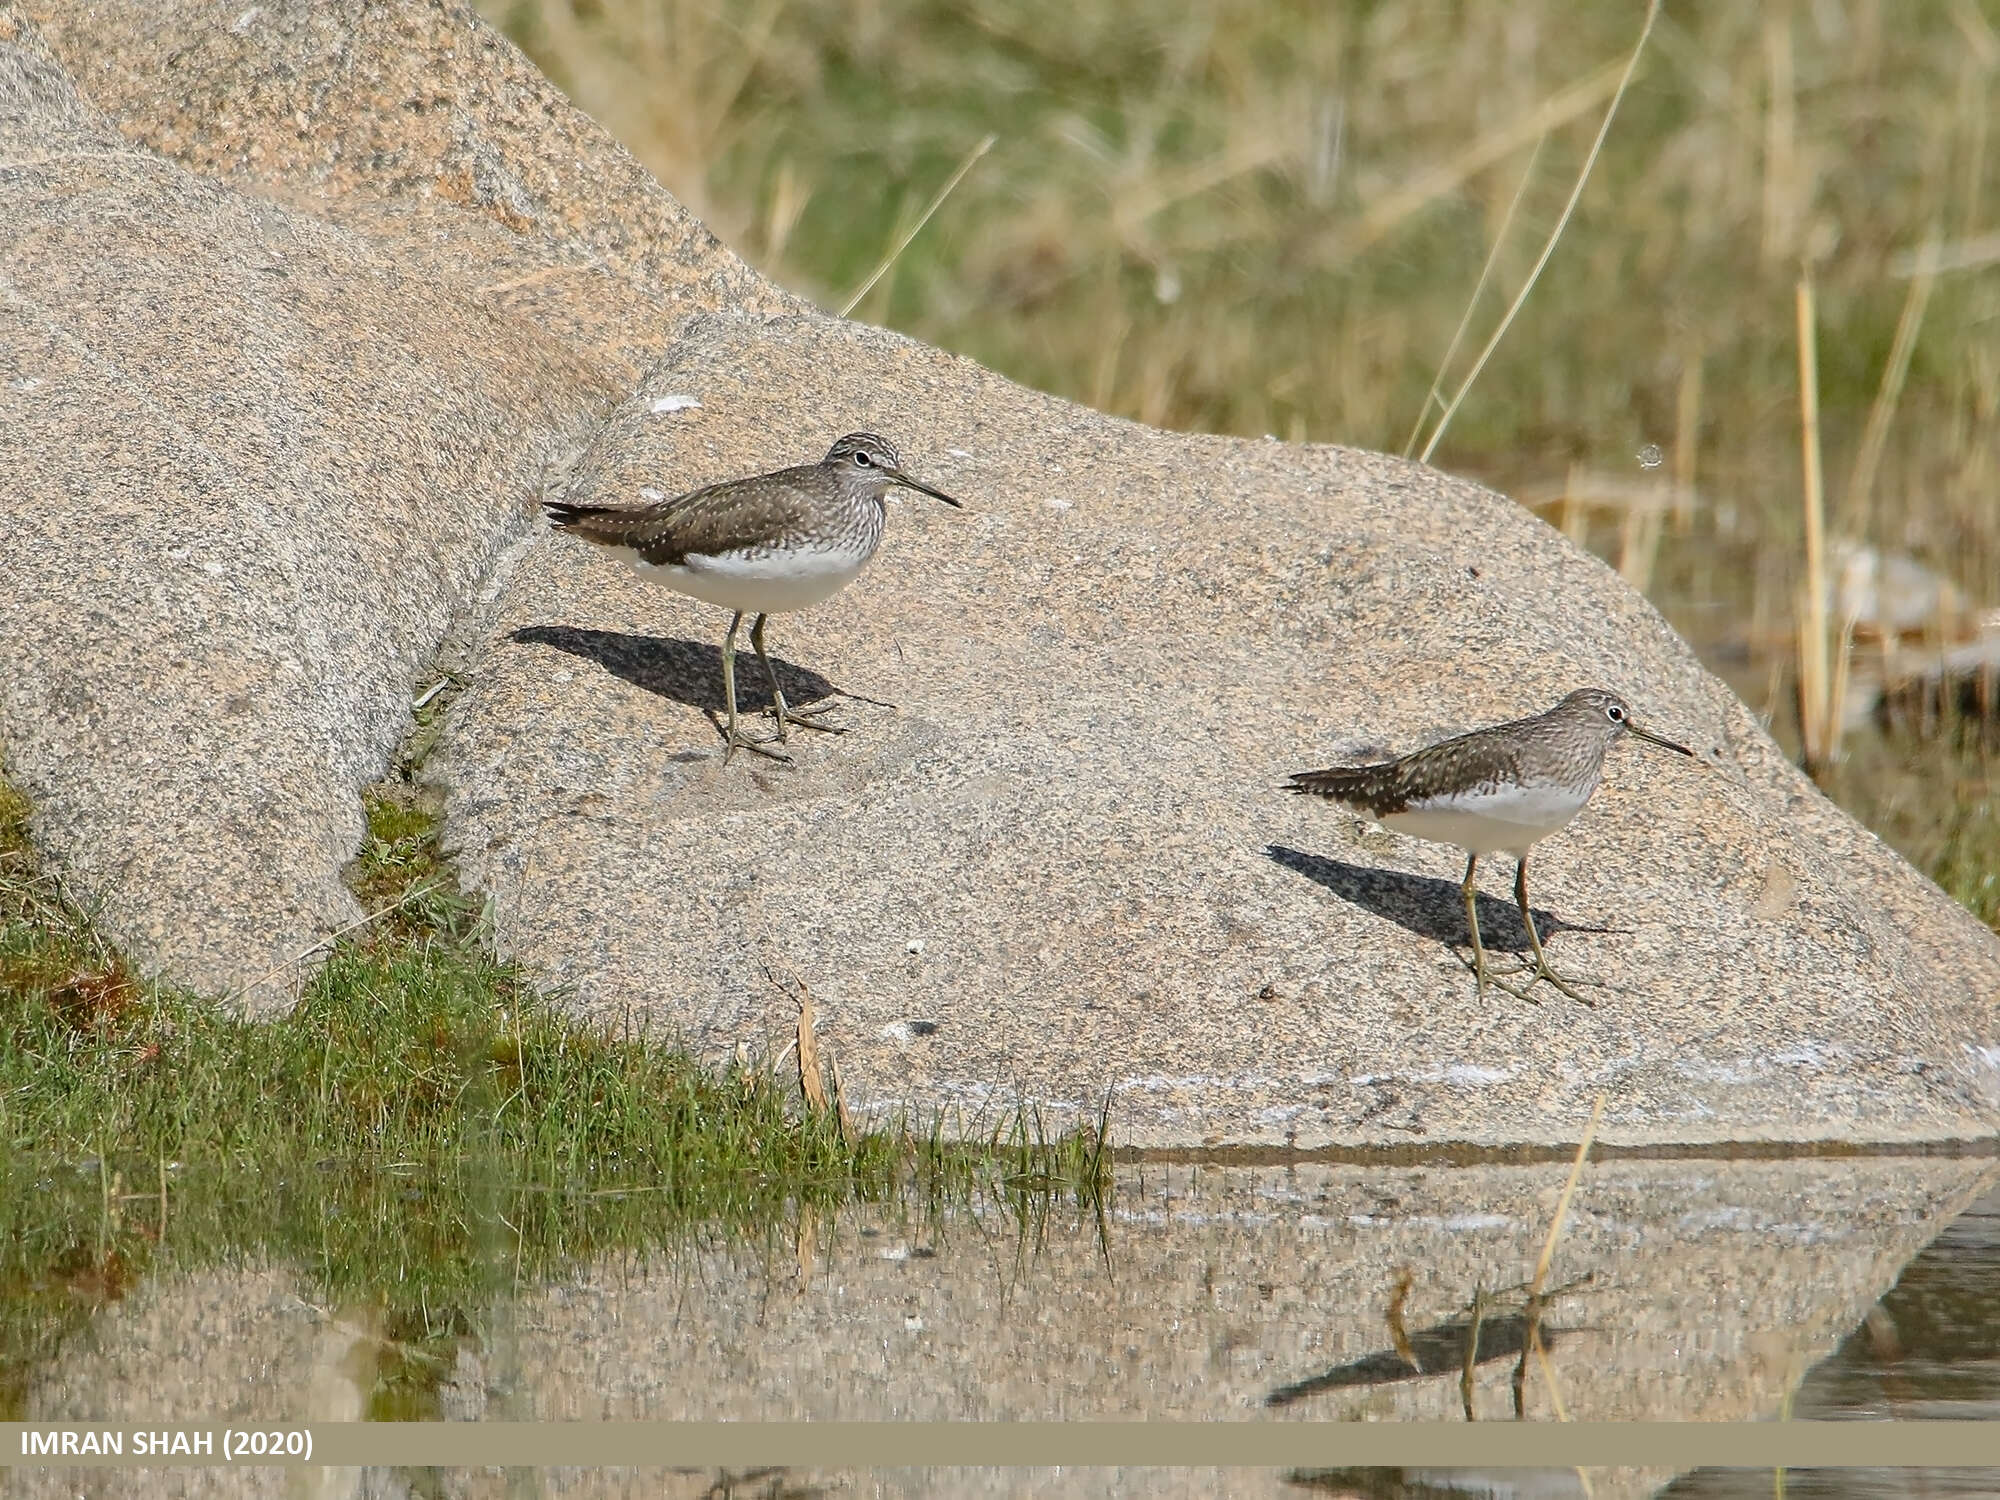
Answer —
1502 788
766 544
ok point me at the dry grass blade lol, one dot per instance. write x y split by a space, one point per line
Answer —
1468 1371
1818 710
1533 1337
1555 234
414 893
495 289
1398 1335
1548 1372
971 158
804 1045
1478 289
1146 197
1562 1203
1555 1396
1861 484
848 1133
1551 113
1963 255
810 1083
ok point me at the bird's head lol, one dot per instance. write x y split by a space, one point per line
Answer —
1611 715
869 462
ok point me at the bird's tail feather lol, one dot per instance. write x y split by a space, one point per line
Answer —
1341 783
609 524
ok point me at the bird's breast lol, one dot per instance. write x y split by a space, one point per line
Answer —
1487 819
768 581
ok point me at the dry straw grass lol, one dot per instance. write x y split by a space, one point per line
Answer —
1555 234
1270 218
1280 210
1819 707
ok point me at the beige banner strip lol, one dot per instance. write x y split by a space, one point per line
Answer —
1429 1445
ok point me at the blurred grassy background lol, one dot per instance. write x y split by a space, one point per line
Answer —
1269 216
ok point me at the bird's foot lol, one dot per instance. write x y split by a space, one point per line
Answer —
807 718
1485 974
766 748
733 739
1540 970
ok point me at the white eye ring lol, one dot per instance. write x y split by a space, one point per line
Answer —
1615 714
863 459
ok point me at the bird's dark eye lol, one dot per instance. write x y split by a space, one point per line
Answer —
1615 714
863 459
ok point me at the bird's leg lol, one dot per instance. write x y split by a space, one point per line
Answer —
1484 975
731 739
1541 964
810 718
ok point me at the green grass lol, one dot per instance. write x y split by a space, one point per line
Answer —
424 1130
424 1249
1938 804
411 1042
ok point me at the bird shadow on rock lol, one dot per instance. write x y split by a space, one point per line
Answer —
1423 904
688 672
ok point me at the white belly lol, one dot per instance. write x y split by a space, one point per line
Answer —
1509 818
756 585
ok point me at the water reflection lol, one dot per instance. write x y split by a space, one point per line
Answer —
1476 1337
1683 1290
1929 1350
1440 1484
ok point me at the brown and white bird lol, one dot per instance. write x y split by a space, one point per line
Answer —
765 544
1503 788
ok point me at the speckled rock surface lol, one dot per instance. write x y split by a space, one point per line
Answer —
304 302
1059 863
300 302
419 126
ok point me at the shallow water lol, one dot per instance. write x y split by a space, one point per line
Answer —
1694 1289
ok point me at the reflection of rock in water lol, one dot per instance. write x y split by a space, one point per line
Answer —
343 1377
1437 1484
1439 1350
1258 1293
1215 1294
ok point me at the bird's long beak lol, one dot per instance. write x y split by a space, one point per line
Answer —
897 476
1660 740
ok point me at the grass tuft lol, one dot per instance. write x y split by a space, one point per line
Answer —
424 1130
412 1042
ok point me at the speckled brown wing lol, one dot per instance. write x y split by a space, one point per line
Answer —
1483 758
736 515
1390 786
